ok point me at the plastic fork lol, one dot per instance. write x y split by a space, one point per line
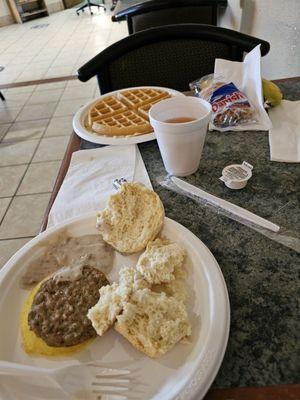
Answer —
88 381
117 183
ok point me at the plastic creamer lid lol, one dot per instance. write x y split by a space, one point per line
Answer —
236 176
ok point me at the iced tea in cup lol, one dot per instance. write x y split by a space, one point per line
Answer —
180 126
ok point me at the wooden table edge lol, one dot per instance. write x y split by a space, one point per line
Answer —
272 392
73 145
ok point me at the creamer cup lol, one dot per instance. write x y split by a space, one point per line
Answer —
180 144
236 176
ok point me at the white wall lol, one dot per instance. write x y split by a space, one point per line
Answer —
4 10
54 5
278 22
53 1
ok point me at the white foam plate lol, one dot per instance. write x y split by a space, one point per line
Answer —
79 128
184 373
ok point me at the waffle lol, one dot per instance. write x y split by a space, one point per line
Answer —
125 113
136 98
104 108
144 110
125 124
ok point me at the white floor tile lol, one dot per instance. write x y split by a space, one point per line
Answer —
46 96
25 60
3 206
63 60
6 79
34 74
25 130
20 89
59 126
78 92
9 247
14 100
6 58
3 129
24 216
37 65
13 69
50 86
17 153
39 178
57 46
69 107
37 111
51 149
58 72
9 115
10 178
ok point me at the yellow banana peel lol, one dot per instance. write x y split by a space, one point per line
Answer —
272 93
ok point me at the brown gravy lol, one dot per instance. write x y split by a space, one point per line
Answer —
180 120
69 251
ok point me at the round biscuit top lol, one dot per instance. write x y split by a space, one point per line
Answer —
133 217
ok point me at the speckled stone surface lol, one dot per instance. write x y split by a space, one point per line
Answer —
262 276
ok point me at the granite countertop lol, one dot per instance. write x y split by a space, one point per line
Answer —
262 276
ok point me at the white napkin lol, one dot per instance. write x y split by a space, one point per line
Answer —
284 136
246 76
89 180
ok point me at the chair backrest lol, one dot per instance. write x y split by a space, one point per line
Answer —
154 13
170 56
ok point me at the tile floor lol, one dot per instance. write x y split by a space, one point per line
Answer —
36 121
35 127
58 49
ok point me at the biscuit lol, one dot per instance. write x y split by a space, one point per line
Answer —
112 297
133 217
158 263
152 322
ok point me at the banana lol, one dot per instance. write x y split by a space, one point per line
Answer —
272 93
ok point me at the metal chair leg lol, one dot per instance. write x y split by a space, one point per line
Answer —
89 4
2 97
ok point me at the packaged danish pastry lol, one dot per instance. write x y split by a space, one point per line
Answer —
230 106
235 93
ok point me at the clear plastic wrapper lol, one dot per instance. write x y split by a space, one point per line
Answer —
203 83
287 237
230 106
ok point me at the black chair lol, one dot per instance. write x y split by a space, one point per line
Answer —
165 12
170 56
89 4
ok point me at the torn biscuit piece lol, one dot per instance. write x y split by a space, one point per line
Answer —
153 322
112 297
160 260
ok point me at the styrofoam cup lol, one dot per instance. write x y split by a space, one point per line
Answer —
180 144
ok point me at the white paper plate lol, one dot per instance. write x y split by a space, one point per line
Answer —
185 373
79 128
